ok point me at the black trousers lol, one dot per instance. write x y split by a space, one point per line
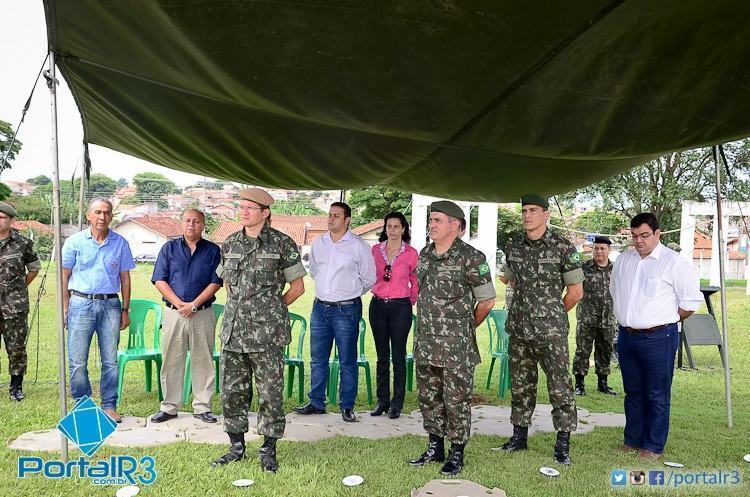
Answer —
390 323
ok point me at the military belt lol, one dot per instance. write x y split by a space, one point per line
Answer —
646 330
95 296
343 302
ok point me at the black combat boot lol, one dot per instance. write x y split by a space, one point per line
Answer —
236 451
562 447
580 386
435 452
455 462
267 453
603 387
518 441
16 387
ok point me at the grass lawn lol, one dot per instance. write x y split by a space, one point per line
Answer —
698 438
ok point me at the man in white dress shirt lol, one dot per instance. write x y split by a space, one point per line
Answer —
653 288
343 269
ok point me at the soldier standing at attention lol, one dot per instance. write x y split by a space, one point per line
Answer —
257 262
19 265
595 315
539 265
456 293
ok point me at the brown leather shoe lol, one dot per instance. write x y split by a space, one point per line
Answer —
627 448
113 414
647 454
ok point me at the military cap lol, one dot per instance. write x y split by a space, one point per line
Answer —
260 197
602 239
8 209
674 246
448 208
534 199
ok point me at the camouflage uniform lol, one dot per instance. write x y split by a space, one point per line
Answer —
17 256
445 344
596 320
538 325
256 327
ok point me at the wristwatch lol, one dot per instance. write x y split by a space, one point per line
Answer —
194 309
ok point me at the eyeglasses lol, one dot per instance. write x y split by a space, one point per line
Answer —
642 236
387 274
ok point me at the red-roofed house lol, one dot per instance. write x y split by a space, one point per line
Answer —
369 232
34 225
146 235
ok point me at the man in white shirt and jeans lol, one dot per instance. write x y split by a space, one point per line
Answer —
343 269
653 288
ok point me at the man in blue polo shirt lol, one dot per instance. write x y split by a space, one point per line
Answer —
185 274
96 266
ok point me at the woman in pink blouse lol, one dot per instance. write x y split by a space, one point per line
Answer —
394 293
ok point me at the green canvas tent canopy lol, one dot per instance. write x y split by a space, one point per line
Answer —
472 100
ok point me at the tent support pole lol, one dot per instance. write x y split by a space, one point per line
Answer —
721 253
62 375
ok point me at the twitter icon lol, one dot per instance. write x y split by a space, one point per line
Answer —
619 478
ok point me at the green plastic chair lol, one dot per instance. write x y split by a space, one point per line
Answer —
362 362
296 363
137 349
499 349
187 385
410 357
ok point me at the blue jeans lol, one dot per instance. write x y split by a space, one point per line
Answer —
84 318
329 323
647 366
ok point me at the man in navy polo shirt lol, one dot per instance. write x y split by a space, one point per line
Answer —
96 265
185 274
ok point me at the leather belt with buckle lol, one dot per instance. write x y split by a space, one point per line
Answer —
95 296
340 303
646 330
400 300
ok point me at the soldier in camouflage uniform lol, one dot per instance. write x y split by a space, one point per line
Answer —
596 319
256 264
19 265
540 264
456 293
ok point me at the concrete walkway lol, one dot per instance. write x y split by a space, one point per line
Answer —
140 432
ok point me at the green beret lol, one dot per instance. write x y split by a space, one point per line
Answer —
8 209
448 208
534 199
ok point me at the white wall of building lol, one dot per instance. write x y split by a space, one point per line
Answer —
142 241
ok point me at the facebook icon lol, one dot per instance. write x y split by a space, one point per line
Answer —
656 477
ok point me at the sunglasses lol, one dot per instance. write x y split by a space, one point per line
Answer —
387 274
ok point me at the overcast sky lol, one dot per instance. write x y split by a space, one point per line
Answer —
23 47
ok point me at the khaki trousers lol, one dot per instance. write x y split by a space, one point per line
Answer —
179 335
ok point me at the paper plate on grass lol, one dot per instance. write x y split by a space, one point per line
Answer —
674 464
242 483
129 491
549 471
747 458
352 480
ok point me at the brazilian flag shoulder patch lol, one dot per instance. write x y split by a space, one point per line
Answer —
484 268
575 257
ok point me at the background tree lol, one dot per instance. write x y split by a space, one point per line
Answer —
32 207
661 185
372 203
153 187
508 225
6 136
601 221
39 180
296 207
43 242
99 185
122 183
5 191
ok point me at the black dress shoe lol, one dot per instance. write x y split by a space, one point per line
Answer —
206 417
394 413
162 416
379 409
348 415
309 409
